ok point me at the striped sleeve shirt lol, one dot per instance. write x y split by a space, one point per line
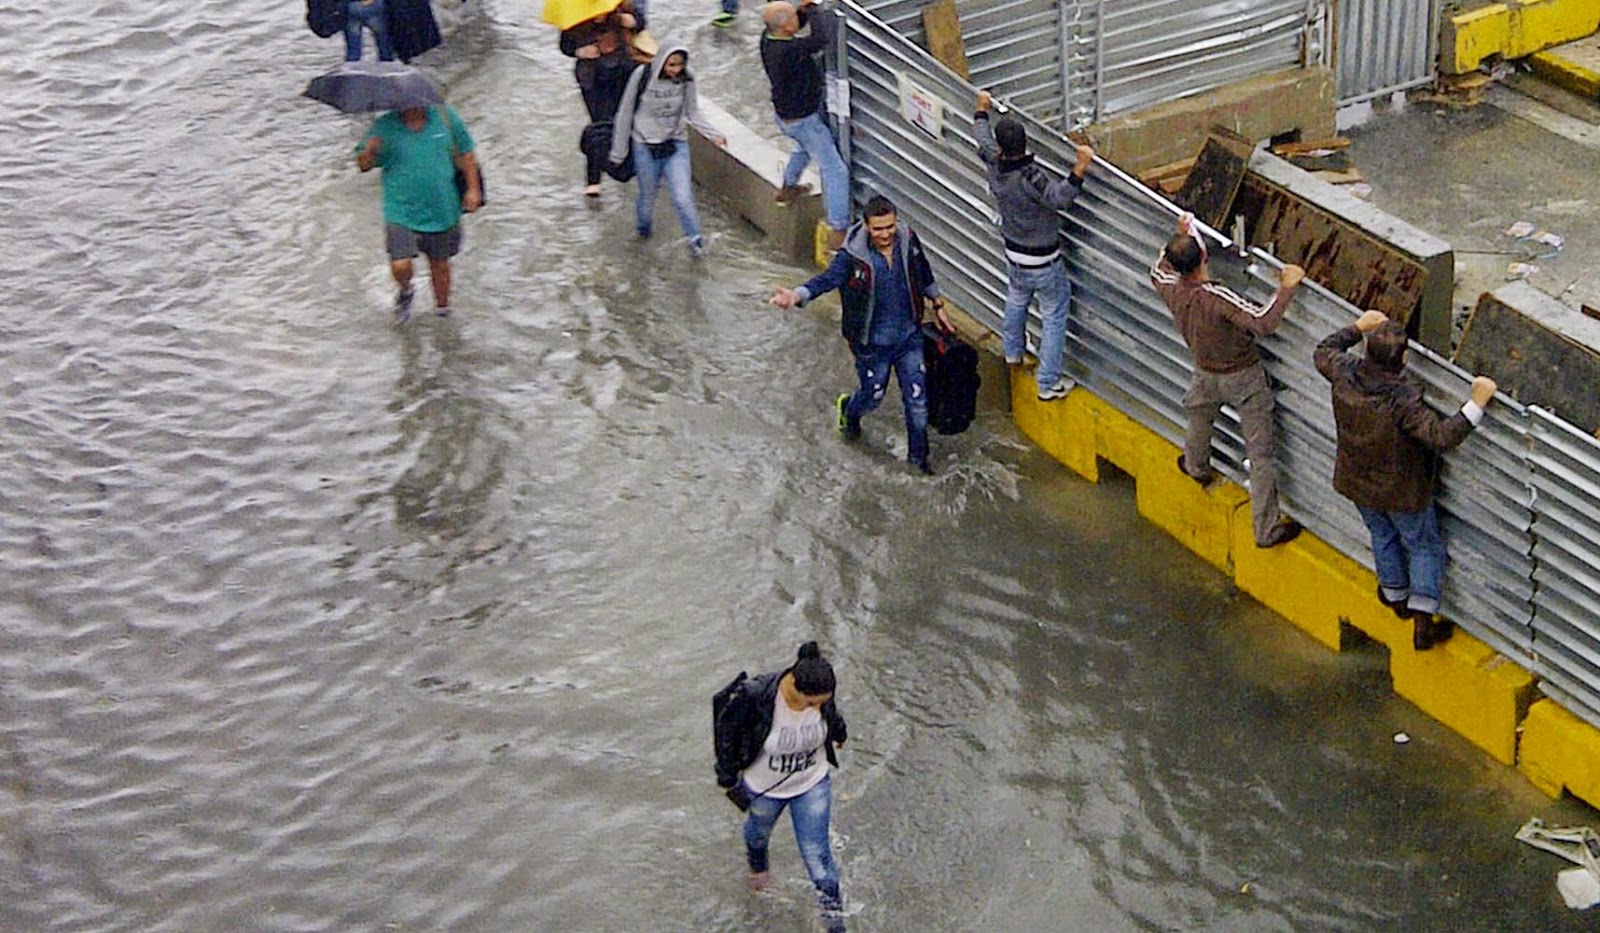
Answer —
1219 326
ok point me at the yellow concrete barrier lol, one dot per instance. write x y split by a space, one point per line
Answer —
1560 751
1513 29
1464 684
1566 73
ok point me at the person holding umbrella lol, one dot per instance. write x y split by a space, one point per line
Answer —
601 35
420 148
430 174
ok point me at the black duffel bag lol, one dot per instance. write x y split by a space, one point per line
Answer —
325 17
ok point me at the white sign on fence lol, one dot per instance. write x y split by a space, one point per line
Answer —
921 107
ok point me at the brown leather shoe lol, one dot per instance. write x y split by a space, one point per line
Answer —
1205 480
788 193
1282 533
835 239
1421 631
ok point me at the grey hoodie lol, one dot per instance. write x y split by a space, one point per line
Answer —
1030 201
665 109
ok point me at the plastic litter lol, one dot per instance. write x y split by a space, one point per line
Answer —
1579 887
1520 270
1519 229
1400 738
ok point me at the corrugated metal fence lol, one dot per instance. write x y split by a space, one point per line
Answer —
1075 62
1381 46
1521 502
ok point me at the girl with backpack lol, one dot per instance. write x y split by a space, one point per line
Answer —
775 735
658 107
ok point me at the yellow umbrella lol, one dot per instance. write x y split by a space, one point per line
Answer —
565 14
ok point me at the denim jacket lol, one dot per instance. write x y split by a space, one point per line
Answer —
851 273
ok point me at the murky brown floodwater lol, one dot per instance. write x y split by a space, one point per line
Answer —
309 624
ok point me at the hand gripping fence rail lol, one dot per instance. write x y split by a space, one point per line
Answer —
1520 501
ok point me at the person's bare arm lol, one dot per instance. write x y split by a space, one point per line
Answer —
472 198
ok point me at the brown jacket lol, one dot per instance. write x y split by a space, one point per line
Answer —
1388 436
1219 326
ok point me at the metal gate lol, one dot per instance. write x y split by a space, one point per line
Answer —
1382 46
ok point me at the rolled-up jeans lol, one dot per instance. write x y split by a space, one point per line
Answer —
371 15
1409 554
675 168
1050 283
815 142
809 812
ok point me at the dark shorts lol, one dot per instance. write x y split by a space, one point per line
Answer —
403 242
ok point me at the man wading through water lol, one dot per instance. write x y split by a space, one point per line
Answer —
883 278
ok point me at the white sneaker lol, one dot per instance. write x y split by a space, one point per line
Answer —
1059 390
1013 361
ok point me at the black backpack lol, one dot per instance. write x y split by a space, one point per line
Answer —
719 702
953 381
325 17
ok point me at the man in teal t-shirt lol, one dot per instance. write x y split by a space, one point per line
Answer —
419 149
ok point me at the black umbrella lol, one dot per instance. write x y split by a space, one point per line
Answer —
367 86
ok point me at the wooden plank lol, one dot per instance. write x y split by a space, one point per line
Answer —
1358 268
1332 142
1209 190
943 29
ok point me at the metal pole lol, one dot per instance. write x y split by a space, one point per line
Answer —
1064 35
839 68
1099 60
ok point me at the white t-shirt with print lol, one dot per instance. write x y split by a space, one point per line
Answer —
792 761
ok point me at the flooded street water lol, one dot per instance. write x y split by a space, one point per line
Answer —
309 623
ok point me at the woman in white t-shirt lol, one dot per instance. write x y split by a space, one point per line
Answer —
775 739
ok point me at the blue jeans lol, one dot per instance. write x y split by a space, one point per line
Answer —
371 15
815 141
809 813
1409 554
680 186
872 368
1055 299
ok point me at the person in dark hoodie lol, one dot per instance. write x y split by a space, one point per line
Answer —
603 47
883 277
1030 206
1386 463
658 107
767 738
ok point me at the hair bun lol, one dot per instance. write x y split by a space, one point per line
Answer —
810 650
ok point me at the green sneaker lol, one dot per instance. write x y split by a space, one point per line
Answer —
722 20
849 427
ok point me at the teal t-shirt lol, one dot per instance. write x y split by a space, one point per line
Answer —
419 189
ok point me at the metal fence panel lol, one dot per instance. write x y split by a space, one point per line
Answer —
1122 343
1381 46
1566 525
1013 46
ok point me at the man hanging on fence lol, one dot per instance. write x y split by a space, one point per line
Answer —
1221 329
1030 205
1387 461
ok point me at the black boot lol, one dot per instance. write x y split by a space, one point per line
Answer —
1396 606
1421 630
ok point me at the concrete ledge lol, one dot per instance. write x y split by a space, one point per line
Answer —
1560 751
1513 29
1064 429
1300 99
746 175
1464 684
1312 585
1566 74
1203 519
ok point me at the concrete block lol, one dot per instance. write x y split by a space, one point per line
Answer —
1064 428
1203 520
1299 99
1313 586
1558 751
1464 684
1512 29
1565 73
1366 256
1540 351
746 175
